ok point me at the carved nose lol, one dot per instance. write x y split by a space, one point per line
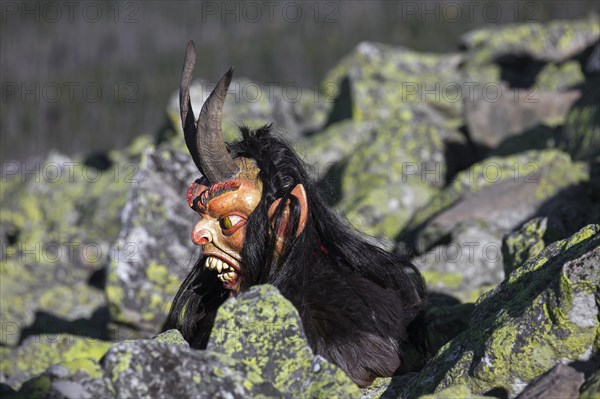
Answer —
200 234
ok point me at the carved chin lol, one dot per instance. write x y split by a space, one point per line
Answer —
228 275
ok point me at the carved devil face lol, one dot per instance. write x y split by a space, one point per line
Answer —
224 209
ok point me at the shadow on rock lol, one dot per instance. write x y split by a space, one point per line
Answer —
46 323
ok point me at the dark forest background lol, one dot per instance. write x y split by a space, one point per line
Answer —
82 76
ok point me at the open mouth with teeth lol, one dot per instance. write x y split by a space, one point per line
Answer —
225 272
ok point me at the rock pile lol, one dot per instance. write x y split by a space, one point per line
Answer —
482 165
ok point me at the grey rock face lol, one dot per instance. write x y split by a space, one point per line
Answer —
257 348
529 323
154 250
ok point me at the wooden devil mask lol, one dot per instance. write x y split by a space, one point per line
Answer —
230 189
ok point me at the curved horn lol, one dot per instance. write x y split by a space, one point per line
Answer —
205 142
188 120
217 163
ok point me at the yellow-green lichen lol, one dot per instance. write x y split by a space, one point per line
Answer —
158 274
89 366
38 353
526 325
123 364
453 392
449 280
262 330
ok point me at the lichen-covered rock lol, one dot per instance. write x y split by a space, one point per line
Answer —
376 389
591 387
543 314
257 348
37 353
171 337
154 251
502 192
386 180
395 112
334 144
523 243
561 381
533 236
559 76
263 331
386 81
150 368
469 265
78 379
454 392
500 113
58 217
581 131
555 41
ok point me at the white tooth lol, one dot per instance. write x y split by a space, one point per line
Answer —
225 278
212 263
218 265
221 277
230 275
207 263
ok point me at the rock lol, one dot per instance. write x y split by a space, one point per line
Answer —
555 41
539 137
376 389
581 131
263 330
385 181
385 81
500 192
391 138
153 251
453 392
591 387
559 77
561 381
257 348
466 267
496 114
522 244
334 144
37 353
592 65
543 314
527 241
58 217
385 130
171 337
151 368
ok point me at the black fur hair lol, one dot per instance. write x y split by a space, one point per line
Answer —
355 299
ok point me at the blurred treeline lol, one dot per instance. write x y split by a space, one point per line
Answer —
90 75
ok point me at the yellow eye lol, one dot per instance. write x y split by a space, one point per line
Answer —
226 222
229 222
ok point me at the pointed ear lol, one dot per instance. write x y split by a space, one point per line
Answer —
300 193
